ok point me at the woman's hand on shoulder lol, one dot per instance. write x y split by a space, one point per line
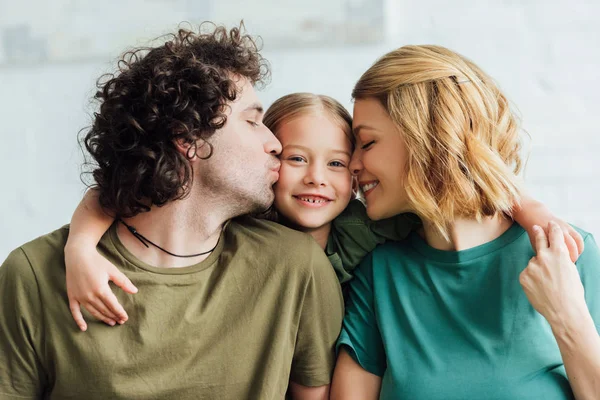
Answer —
551 280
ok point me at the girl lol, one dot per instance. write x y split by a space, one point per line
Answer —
313 195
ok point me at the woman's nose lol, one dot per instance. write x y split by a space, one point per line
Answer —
355 163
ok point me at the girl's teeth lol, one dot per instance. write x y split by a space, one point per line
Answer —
312 200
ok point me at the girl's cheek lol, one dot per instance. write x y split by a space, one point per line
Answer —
287 176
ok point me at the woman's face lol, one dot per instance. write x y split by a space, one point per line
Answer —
379 160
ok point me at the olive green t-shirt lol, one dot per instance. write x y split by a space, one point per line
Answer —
263 309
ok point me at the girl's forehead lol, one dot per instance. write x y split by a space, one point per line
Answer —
317 130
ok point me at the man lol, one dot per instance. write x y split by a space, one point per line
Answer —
228 307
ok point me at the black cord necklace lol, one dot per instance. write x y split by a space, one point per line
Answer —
142 239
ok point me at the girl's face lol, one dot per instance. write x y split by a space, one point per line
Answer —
379 161
315 184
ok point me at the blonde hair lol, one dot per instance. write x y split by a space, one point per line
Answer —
461 137
295 105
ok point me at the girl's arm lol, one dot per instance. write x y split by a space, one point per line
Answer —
554 288
531 213
353 235
88 273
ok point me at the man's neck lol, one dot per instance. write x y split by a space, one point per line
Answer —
466 233
181 227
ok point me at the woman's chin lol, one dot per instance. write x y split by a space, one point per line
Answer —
377 211
373 213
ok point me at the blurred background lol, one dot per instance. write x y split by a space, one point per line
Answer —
545 55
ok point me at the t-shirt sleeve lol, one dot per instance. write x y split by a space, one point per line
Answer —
354 235
319 323
360 335
588 265
21 373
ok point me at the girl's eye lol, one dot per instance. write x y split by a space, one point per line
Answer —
337 164
254 124
366 146
296 158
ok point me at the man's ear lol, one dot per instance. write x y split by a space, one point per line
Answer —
198 149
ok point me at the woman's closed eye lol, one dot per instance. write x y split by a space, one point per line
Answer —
252 123
367 145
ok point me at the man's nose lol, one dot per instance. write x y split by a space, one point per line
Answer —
272 144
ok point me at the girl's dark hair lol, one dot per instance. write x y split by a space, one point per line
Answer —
176 92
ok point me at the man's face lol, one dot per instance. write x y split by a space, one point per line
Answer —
244 164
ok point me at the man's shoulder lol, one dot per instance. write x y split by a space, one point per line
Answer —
49 245
271 232
42 251
281 244
54 239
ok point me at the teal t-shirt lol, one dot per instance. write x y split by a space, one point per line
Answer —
457 325
353 235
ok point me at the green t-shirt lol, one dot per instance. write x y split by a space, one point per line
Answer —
457 325
255 314
353 235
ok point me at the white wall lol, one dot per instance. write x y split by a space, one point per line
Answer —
544 54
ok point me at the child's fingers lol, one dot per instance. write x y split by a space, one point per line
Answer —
578 239
99 305
122 281
540 240
571 246
110 300
77 315
98 315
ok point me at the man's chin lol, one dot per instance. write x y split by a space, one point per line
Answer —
264 204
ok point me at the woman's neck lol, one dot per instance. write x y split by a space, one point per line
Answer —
466 233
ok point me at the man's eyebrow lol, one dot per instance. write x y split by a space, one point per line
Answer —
255 107
357 129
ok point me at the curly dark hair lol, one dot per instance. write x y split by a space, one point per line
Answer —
174 92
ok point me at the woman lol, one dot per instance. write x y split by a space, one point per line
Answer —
442 315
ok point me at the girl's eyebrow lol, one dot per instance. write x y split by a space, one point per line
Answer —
297 146
342 152
308 150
